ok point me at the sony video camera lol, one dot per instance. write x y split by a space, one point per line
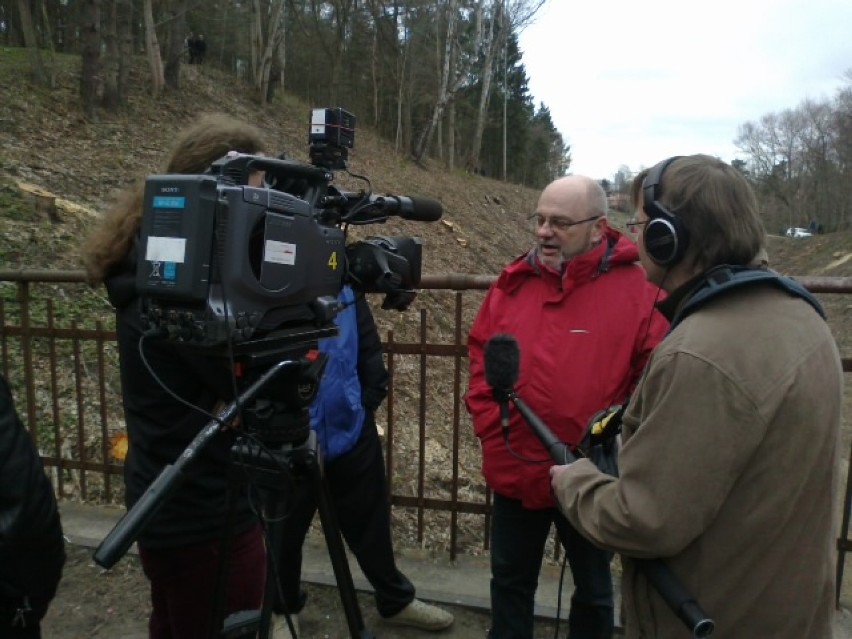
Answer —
222 262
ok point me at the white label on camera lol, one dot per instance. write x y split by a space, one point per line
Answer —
279 252
166 249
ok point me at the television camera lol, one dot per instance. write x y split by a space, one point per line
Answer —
247 261
223 262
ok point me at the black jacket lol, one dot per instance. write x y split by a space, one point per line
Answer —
160 427
32 549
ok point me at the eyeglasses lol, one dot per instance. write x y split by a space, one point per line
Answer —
634 226
559 223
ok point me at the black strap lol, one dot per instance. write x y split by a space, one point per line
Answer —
724 278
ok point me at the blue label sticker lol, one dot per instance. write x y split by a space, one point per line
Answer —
169 202
169 271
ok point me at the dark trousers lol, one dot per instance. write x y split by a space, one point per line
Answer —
518 537
358 490
183 584
21 619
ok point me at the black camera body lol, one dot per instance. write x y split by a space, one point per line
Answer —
222 262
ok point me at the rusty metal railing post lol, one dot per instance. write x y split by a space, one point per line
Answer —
27 355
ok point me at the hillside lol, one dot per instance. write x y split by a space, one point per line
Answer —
44 140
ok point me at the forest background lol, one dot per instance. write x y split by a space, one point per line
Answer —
439 79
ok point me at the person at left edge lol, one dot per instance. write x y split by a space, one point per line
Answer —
32 548
179 548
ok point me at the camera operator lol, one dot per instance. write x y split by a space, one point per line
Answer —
180 547
583 315
352 388
32 550
730 463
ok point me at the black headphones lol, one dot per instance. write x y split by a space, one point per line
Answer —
665 239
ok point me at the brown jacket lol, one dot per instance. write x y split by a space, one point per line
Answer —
729 471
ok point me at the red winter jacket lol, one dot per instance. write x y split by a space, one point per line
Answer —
584 340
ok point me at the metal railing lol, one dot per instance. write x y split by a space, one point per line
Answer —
64 372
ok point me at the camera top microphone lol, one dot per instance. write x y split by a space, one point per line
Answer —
360 209
418 209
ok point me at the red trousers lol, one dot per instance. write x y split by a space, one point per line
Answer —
183 584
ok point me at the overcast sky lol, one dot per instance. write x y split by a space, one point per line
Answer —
630 83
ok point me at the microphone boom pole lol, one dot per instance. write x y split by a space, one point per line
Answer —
118 541
655 570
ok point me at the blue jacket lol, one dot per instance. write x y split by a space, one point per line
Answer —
355 379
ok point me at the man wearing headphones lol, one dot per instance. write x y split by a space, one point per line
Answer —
729 470
583 316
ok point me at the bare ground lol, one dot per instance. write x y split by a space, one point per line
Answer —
93 602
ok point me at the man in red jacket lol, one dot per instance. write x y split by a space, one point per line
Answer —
583 314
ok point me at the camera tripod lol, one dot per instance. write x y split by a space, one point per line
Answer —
278 446
272 471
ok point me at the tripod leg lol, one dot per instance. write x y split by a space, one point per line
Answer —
337 554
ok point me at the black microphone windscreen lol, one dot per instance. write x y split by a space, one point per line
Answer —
423 209
502 361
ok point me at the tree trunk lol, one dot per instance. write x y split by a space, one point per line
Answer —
112 60
175 45
401 65
425 137
263 54
90 40
124 25
50 67
490 47
37 67
152 48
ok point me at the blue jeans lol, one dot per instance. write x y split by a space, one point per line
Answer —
518 537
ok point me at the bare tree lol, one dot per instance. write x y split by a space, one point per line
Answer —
176 42
152 48
446 88
90 40
488 47
264 46
117 39
37 65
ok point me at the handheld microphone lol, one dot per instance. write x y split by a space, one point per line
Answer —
502 364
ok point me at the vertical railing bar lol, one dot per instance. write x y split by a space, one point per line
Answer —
54 393
27 355
105 457
4 345
389 410
421 462
454 496
81 419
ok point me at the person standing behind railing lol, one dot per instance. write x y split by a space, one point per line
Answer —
583 315
353 386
